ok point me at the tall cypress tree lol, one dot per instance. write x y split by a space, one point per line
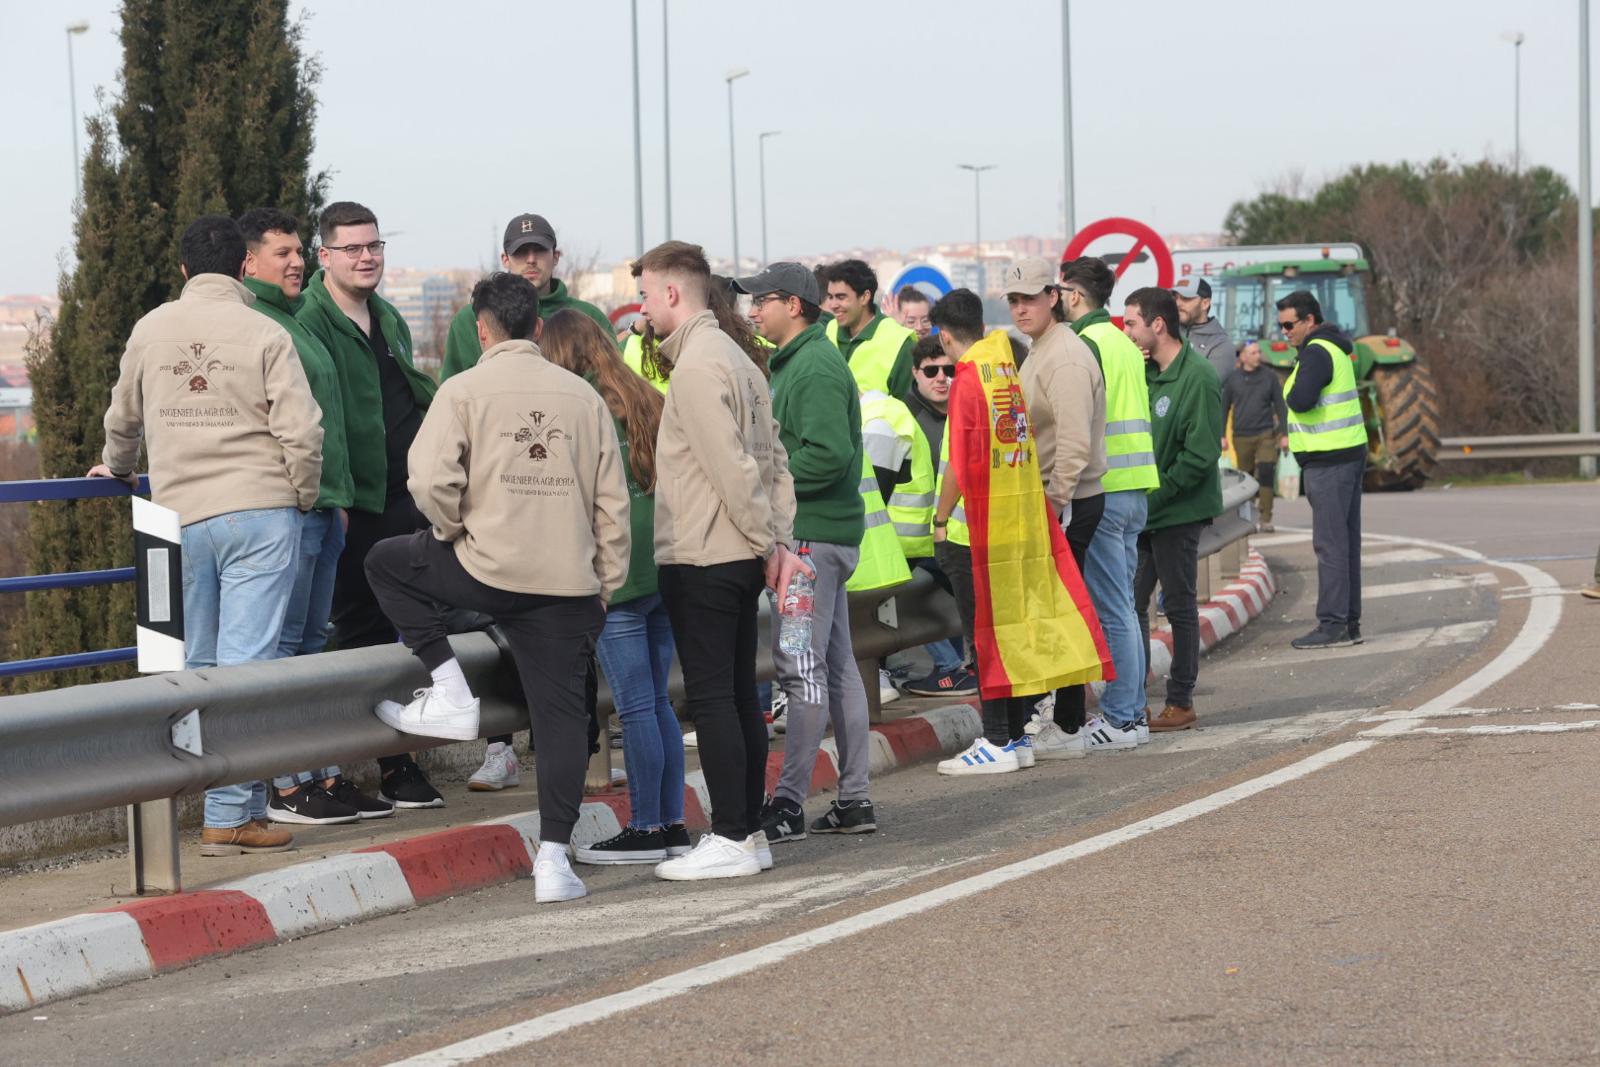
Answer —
214 114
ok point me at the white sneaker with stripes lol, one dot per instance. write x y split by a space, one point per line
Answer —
1023 748
1102 736
1052 742
981 757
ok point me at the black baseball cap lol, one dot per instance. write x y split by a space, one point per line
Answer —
527 230
789 278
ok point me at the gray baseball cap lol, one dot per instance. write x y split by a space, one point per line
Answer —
1192 285
789 278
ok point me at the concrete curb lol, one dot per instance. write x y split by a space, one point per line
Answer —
98 950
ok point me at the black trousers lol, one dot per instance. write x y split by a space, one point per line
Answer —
358 621
1003 719
1170 555
1334 492
1071 709
713 613
418 580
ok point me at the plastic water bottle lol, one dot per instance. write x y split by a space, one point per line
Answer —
794 614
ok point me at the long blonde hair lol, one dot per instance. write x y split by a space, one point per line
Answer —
573 341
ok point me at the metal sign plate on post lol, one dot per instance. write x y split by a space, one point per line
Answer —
158 581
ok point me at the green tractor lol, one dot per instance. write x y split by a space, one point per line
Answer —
1397 393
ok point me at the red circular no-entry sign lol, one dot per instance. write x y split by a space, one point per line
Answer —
633 309
1142 237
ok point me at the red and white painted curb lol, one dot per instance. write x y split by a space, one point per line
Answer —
1224 615
98 950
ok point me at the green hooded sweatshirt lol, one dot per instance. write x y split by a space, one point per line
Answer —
358 381
1186 416
461 348
337 490
818 409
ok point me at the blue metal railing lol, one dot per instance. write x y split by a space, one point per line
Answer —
67 489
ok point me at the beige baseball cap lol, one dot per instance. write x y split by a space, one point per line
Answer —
1030 276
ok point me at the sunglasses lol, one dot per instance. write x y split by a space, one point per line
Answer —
931 372
1287 326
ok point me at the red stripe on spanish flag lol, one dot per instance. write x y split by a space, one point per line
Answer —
1036 629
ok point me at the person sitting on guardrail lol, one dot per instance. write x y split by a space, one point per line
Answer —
1185 413
274 272
217 397
513 448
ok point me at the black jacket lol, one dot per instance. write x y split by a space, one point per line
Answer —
929 418
1316 371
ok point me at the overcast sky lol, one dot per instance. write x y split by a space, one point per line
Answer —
448 118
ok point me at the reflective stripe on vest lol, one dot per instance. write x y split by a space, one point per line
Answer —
881 562
633 356
1130 450
956 530
1336 422
911 504
874 358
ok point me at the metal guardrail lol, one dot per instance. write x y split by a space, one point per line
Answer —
1518 446
46 489
91 747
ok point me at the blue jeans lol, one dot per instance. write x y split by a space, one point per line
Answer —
305 623
946 655
238 573
635 651
1108 571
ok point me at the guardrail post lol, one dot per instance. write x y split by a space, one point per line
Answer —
1231 558
869 681
153 847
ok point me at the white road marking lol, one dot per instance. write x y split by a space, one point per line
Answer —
1275 540
1501 729
1460 633
1543 617
1399 555
1284 730
1428 585
1448 713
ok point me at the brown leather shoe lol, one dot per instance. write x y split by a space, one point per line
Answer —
251 837
1172 717
1591 591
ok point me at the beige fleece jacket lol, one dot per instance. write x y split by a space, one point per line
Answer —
723 491
1066 395
517 463
216 394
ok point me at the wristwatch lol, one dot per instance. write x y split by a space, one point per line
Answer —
939 524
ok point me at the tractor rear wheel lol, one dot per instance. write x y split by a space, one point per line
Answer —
1409 408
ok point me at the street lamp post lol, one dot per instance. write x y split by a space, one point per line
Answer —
977 213
761 144
1586 465
73 29
733 170
666 121
1066 121
1516 37
638 157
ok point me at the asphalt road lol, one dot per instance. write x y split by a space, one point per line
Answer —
1425 898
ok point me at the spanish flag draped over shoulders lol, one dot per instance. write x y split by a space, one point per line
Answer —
1036 629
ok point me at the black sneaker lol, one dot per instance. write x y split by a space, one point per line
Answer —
677 838
345 791
1354 630
847 817
1323 637
310 805
959 682
407 787
630 846
783 820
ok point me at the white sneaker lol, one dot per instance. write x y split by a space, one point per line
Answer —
690 740
430 715
1044 710
554 880
1141 727
780 709
887 693
981 757
713 857
1102 736
758 840
499 770
1023 747
1052 742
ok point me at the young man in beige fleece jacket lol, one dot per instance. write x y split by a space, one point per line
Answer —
512 450
216 395
724 518
1067 410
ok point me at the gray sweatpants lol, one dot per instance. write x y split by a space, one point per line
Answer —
824 685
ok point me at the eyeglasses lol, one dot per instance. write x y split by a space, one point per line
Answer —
935 370
1287 326
757 301
374 248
